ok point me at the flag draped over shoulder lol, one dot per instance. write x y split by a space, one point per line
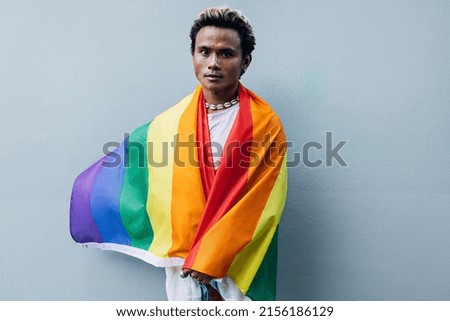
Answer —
158 197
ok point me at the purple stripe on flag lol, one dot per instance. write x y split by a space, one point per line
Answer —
82 225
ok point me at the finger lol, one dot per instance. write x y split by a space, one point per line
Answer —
205 279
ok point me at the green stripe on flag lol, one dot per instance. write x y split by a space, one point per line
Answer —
264 285
133 199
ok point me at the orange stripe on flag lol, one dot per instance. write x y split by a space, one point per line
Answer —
188 200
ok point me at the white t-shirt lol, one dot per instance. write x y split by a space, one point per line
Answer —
220 124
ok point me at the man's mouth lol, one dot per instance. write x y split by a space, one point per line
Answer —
213 76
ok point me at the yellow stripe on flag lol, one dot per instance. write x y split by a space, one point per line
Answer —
161 151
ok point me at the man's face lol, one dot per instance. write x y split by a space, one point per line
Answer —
218 59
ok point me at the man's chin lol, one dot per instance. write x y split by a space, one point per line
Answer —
214 87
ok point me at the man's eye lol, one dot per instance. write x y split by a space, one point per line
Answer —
204 52
226 54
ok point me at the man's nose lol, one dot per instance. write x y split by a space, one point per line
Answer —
214 62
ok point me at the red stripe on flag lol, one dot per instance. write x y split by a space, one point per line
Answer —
229 181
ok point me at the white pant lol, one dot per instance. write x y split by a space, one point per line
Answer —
188 289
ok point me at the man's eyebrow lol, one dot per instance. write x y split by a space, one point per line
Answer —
230 49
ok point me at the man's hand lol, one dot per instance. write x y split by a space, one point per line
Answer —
198 276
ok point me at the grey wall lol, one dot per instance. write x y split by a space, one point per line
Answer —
75 74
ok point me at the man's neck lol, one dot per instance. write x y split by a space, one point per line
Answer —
216 98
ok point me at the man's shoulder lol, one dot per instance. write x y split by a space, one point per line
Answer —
178 108
263 107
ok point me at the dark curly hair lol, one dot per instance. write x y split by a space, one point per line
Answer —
226 18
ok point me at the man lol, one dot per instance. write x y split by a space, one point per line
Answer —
203 185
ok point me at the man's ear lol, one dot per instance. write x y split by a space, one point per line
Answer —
246 61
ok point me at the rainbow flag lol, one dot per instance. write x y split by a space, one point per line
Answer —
158 197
